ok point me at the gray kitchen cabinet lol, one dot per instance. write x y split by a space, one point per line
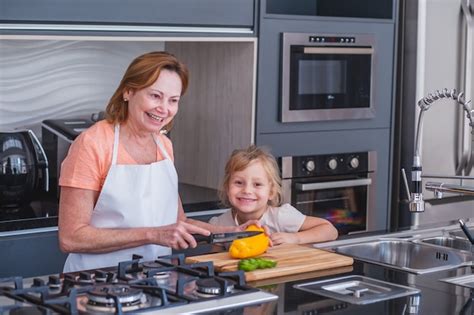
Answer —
336 21
29 255
269 69
338 18
218 13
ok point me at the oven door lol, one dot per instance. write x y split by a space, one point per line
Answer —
344 201
326 82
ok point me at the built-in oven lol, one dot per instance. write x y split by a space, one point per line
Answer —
327 77
337 187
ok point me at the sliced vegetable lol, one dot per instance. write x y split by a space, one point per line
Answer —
249 246
251 264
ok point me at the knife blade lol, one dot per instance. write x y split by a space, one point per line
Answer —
224 237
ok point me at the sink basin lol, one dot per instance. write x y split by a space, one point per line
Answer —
449 241
458 233
466 281
407 256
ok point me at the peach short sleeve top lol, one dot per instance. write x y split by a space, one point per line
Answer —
90 157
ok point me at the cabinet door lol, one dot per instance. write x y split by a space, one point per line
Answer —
142 12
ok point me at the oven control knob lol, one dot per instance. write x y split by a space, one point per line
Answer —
332 164
310 166
354 163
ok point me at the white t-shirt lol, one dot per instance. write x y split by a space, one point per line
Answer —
278 219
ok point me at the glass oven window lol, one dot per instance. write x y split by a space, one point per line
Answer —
329 80
346 208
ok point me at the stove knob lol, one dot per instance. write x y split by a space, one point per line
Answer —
354 162
54 282
111 277
310 166
100 276
332 164
37 282
85 277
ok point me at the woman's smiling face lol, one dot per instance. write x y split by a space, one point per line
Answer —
152 108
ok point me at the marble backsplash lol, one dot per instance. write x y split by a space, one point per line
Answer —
51 79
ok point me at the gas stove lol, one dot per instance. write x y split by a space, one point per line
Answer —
164 286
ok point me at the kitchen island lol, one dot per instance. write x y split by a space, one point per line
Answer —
182 285
434 297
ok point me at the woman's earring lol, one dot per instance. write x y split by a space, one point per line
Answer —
125 100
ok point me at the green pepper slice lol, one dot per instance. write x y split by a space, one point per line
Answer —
250 264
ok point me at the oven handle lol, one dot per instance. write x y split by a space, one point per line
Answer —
338 50
335 184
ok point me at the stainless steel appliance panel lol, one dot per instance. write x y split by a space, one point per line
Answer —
435 55
327 76
338 187
57 136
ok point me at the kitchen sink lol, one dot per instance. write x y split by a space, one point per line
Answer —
466 281
408 256
458 233
449 241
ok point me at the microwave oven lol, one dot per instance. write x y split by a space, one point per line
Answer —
327 77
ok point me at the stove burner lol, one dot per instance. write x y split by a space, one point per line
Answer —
106 295
162 275
211 286
152 264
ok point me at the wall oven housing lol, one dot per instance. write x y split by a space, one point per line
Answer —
327 77
337 187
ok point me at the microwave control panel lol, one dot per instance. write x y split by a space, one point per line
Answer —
330 164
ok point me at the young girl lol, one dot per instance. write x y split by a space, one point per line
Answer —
252 189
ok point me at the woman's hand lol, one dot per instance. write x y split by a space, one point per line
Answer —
284 238
178 235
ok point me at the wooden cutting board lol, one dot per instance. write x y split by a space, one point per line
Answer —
291 259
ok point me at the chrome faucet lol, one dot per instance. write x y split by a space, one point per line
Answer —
416 202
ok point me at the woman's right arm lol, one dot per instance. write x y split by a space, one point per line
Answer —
77 235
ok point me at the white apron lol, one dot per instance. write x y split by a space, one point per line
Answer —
132 196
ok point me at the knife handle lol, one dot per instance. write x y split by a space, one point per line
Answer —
202 238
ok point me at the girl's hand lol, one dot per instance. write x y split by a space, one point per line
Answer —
244 226
284 238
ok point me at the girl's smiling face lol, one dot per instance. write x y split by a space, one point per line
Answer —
250 190
152 108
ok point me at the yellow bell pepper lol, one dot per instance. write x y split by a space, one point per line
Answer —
249 246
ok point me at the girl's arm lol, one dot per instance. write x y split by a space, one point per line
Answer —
313 230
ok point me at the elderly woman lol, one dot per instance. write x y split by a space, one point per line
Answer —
119 186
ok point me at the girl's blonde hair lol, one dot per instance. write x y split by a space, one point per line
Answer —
142 72
240 159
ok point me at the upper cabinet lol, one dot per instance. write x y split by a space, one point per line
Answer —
128 14
371 9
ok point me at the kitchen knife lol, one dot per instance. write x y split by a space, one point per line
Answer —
224 237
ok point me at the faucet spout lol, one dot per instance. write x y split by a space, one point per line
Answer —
417 204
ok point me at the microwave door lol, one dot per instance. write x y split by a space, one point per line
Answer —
327 83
